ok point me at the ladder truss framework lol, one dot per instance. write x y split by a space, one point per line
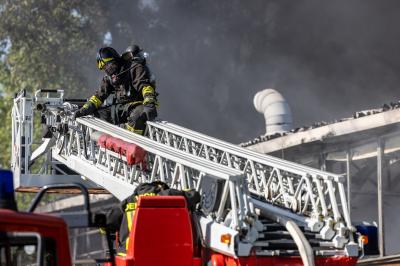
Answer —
239 188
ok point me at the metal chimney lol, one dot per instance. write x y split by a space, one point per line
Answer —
278 117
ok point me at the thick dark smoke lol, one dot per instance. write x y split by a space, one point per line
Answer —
328 58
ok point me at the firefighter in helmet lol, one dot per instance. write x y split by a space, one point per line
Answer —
128 77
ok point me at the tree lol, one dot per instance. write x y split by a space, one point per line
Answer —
50 43
45 44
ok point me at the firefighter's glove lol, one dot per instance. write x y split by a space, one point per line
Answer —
87 109
102 230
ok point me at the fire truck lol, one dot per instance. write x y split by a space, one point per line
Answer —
29 238
255 209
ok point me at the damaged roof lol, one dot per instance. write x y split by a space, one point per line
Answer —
388 114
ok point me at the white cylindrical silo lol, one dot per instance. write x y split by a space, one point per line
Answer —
278 117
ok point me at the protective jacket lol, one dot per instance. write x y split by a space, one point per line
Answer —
134 85
135 99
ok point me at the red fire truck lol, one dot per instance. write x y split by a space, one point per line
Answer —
27 238
255 209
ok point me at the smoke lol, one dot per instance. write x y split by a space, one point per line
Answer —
327 58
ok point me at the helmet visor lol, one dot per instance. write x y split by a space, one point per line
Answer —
101 62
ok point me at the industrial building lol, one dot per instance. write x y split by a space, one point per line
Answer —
364 147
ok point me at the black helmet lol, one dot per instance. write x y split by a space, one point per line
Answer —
106 55
133 53
134 49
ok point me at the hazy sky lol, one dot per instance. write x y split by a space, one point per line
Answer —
328 58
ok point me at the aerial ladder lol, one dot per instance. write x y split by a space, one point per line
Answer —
273 210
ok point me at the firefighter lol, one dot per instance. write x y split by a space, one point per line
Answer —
120 217
130 80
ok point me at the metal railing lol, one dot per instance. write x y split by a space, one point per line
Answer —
78 148
317 195
234 179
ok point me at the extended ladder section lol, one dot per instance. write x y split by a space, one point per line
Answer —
269 206
314 198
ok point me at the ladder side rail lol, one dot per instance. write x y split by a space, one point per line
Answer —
160 152
239 151
27 134
81 153
157 148
143 141
234 183
16 142
178 156
22 133
173 163
316 176
234 149
169 153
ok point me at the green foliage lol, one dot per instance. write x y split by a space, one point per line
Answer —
50 42
24 200
5 132
45 44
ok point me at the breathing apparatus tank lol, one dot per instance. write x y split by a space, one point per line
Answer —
134 53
